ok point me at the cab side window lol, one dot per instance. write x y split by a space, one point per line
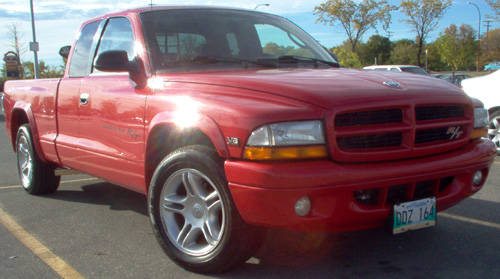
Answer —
118 35
80 60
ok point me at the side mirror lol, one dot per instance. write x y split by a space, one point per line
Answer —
117 61
64 51
334 56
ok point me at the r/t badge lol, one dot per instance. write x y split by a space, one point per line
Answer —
455 132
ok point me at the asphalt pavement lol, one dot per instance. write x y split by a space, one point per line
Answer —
93 229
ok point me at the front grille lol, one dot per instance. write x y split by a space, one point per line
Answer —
432 135
371 117
388 196
438 112
370 141
401 132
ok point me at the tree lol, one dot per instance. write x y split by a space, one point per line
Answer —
377 47
46 71
457 47
347 57
490 46
403 52
434 61
14 42
424 16
355 17
495 5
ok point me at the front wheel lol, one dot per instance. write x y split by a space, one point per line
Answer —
193 215
37 177
494 129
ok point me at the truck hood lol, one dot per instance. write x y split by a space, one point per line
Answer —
325 88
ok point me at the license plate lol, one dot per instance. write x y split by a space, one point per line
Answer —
414 215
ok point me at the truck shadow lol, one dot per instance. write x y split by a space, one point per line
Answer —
104 193
449 250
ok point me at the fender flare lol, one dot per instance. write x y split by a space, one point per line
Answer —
203 123
25 108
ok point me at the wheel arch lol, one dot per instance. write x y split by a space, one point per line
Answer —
493 110
164 136
22 114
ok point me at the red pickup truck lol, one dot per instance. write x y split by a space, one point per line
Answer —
231 121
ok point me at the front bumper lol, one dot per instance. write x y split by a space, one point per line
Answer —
265 193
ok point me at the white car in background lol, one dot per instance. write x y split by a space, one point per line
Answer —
398 68
487 89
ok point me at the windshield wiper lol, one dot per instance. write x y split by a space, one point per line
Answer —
244 62
296 59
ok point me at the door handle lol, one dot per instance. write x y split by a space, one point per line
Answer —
84 99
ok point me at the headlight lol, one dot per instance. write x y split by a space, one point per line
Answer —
481 120
288 140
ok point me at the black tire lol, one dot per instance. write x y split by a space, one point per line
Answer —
194 216
37 177
494 129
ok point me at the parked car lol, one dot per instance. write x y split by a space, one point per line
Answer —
398 68
486 89
457 80
493 66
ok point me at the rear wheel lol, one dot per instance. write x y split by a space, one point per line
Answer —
494 129
194 217
37 177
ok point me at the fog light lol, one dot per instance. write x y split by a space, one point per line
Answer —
303 206
478 178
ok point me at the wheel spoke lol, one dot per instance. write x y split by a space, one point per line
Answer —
188 235
492 132
26 167
213 224
194 185
212 198
210 233
496 123
174 203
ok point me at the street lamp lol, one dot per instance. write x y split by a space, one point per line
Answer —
478 33
34 45
267 5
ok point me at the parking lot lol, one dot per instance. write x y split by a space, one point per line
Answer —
93 229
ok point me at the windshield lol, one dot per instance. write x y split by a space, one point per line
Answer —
201 39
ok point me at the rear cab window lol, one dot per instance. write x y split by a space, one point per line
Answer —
81 58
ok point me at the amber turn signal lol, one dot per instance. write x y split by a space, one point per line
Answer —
479 133
285 153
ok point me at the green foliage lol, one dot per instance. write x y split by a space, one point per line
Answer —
277 50
356 18
457 47
403 52
435 63
490 47
377 47
2 82
45 71
495 5
423 16
347 57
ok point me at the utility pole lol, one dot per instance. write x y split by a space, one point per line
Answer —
389 34
487 26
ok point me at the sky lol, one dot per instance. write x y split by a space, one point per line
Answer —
57 21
